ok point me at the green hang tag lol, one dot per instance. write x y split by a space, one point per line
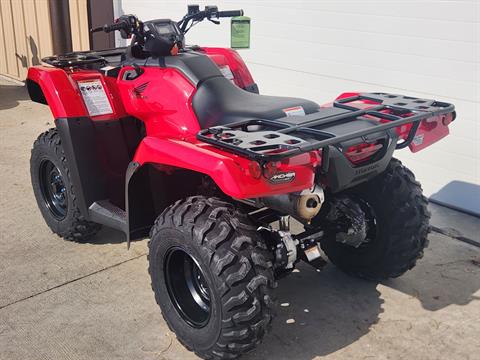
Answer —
240 32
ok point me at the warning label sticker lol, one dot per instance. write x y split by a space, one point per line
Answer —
294 111
418 139
95 97
227 72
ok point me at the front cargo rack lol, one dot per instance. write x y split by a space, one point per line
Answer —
274 140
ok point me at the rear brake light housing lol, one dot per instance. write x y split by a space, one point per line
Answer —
362 153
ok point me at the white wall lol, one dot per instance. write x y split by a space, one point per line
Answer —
318 49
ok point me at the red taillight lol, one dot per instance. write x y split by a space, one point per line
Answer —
270 169
255 169
362 152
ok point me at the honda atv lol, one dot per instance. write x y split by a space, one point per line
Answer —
234 188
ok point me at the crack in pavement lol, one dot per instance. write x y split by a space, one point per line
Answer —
70 281
458 237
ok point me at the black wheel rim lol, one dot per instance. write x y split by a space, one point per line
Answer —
372 226
53 189
187 287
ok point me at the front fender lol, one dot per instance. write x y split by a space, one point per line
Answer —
230 172
58 90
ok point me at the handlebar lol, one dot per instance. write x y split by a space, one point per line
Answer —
194 16
230 13
112 27
129 24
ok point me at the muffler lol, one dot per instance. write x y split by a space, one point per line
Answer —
303 206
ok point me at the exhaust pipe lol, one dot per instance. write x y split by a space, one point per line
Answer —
303 206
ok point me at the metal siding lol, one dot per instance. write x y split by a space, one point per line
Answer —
79 25
9 38
32 32
25 35
3 52
20 38
44 28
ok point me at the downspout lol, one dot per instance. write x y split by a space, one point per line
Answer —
60 23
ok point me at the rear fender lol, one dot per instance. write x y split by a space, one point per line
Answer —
230 61
429 131
165 170
150 189
230 172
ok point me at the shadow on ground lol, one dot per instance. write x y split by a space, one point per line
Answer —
110 236
10 95
448 278
327 311
319 313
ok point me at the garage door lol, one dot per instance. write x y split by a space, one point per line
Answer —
318 49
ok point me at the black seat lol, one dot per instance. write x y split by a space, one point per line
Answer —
219 102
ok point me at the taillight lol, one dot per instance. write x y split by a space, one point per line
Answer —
270 169
360 153
255 169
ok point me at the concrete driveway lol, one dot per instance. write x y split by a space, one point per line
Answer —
62 300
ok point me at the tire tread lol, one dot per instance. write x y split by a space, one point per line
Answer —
79 229
238 259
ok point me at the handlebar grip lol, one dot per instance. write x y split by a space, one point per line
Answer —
230 13
117 26
97 29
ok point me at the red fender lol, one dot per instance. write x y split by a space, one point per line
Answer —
60 88
429 132
230 172
59 91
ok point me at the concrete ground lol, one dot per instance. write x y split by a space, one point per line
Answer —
62 300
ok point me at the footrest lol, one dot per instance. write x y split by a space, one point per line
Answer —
105 213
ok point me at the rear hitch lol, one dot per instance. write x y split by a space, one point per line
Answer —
288 249
310 249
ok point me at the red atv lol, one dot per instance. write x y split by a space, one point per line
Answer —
174 141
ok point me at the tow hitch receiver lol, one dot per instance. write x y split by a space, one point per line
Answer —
289 249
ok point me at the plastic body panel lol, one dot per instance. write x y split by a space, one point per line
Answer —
225 56
161 98
60 89
429 130
230 172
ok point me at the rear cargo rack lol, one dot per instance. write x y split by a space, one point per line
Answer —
274 140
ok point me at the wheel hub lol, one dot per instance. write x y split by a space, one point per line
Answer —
353 221
53 189
187 287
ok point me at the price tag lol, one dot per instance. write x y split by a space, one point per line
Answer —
240 32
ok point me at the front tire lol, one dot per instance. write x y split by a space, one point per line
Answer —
401 227
229 309
54 191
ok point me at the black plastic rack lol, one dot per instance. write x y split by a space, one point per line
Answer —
274 140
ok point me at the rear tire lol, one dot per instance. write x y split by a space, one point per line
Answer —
402 226
235 307
54 191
